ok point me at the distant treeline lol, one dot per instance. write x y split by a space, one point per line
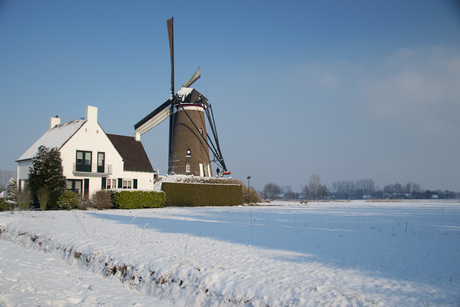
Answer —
350 189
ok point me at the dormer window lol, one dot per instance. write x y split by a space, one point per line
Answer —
188 153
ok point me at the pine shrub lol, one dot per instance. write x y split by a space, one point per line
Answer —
46 171
12 190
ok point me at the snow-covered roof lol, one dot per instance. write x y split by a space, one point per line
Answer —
54 138
184 92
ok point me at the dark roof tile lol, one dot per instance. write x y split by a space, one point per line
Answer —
132 152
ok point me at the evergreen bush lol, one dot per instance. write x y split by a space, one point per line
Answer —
46 171
68 200
4 205
12 190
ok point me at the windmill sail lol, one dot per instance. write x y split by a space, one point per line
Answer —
154 118
189 142
192 80
170 24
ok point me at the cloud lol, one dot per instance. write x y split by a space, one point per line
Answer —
418 89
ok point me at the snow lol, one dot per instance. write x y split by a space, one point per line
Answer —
54 138
323 253
184 92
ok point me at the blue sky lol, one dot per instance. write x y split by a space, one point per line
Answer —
347 90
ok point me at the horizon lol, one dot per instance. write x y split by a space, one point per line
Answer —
347 91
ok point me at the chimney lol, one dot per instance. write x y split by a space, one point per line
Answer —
54 121
91 114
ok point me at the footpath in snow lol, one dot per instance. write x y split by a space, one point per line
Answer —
338 253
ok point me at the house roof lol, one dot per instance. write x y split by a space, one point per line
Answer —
132 152
54 138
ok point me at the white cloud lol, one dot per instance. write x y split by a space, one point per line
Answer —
419 89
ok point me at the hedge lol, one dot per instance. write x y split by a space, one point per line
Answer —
202 194
138 199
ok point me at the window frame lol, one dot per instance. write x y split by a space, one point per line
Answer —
83 165
100 168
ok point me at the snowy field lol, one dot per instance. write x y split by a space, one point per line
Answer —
286 254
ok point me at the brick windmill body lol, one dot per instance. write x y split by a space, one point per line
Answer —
189 141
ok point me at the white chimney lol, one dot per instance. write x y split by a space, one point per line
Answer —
54 121
91 114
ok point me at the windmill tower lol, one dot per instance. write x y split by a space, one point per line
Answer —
189 141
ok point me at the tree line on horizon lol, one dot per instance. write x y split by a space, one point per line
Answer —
350 189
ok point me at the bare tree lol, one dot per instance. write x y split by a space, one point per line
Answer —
5 177
323 191
314 185
271 190
306 192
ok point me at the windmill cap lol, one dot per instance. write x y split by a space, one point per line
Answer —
190 95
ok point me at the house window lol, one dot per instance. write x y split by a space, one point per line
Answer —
74 185
111 184
187 168
83 161
100 162
127 184
188 153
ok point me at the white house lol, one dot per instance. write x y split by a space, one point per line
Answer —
91 159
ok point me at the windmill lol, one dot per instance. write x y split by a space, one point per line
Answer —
189 141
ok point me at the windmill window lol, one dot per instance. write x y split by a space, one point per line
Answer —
187 168
201 130
188 153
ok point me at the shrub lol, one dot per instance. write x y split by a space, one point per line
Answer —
138 199
84 203
249 196
23 199
68 200
4 205
43 196
102 200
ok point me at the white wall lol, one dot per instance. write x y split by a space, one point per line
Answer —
91 137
